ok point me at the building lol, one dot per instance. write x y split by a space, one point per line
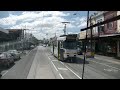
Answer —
3 35
106 38
14 34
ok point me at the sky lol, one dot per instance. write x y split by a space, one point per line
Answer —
44 24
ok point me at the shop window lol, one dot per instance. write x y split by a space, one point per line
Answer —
110 25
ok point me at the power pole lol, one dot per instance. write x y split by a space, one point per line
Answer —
91 36
85 43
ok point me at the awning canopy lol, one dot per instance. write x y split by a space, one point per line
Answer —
109 35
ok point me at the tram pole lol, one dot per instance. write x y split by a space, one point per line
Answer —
85 47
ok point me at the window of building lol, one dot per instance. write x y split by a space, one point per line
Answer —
99 28
110 25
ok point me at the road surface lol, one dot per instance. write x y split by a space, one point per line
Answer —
39 63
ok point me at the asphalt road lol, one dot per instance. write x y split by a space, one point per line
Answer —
21 68
106 68
46 66
41 64
94 68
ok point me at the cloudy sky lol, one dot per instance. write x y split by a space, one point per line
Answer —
44 24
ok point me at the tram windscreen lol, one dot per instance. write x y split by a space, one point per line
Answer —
70 45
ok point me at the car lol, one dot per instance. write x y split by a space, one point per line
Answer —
32 46
44 45
15 54
6 59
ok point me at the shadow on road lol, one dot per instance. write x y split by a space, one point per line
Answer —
5 68
76 61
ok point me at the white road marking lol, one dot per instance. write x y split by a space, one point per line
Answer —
61 76
71 70
111 70
5 73
49 58
54 66
105 65
62 68
62 62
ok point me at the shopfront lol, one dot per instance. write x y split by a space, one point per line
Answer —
108 46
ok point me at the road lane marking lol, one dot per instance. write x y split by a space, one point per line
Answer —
62 68
111 70
61 76
49 58
71 70
62 63
106 65
5 73
54 66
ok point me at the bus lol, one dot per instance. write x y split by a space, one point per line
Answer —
65 47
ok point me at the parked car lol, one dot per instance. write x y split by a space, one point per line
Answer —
15 54
44 45
32 46
6 59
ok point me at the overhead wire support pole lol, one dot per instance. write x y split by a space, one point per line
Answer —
85 46
91 36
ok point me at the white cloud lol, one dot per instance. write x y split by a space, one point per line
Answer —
80 21
42 22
